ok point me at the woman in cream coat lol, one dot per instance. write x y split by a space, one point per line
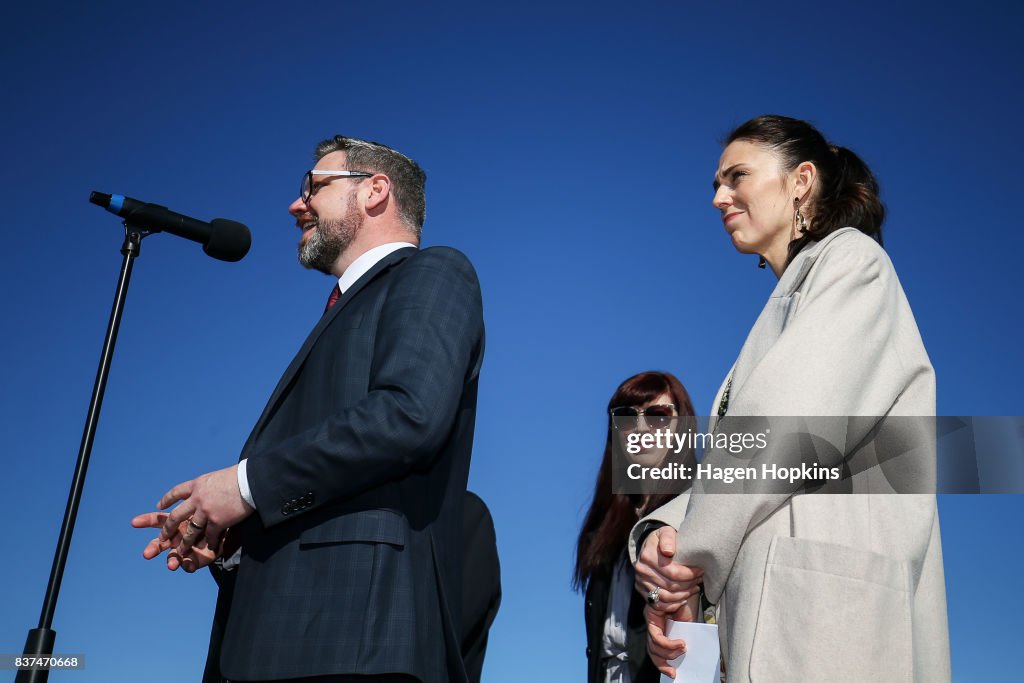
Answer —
816 587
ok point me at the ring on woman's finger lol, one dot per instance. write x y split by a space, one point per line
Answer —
652 596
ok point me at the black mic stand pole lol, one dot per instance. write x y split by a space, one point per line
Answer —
40 640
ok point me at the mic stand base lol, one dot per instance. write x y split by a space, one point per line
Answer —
39 644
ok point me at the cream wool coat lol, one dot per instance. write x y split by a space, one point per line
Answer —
826 587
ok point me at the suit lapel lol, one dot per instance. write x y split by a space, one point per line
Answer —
386 263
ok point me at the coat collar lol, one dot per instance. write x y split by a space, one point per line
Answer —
796 272
392 259
770 322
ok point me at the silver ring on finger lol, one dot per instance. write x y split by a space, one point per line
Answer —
652 596
195 527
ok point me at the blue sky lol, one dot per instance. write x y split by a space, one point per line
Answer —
569 149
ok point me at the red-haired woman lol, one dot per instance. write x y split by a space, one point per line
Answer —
616 629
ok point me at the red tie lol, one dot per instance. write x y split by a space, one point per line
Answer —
333 299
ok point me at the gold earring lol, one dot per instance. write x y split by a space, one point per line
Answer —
799 219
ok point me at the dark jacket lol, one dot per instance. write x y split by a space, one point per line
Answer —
595 612
481 592
481 583
352 563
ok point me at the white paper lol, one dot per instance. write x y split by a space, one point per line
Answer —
700 664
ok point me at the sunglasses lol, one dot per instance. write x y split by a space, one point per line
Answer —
657 416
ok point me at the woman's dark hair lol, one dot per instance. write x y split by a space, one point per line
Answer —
612 515
846 192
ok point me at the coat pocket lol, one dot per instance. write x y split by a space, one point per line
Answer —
831 613
362 526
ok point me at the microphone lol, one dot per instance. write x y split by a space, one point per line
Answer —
222 239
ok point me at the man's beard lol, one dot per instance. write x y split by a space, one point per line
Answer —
330 238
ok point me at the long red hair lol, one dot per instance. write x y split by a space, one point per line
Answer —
612 515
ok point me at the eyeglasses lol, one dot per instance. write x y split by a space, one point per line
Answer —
657 416
308 189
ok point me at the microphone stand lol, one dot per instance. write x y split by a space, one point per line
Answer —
40 640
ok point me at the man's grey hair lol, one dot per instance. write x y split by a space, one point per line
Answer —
408 180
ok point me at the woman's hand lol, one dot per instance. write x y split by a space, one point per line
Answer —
660 648
678 593
657 571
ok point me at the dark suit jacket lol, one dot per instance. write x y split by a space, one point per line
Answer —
595 612
358 468
481 592
481 583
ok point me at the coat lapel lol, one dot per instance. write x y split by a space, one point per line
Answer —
386 263
773 317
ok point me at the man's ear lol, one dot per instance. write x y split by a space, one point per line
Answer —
380 189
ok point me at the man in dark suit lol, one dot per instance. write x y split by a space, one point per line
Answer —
481 593
347 500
